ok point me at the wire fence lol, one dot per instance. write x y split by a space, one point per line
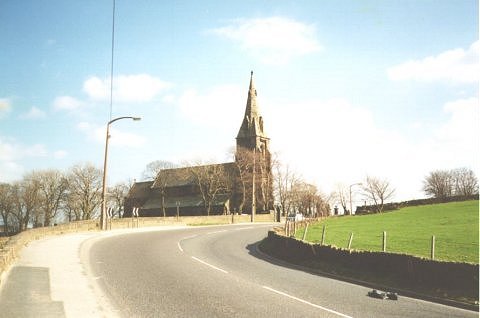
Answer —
433 247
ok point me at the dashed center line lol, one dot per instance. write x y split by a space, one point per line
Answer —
215 232
306 302
212 266
244 228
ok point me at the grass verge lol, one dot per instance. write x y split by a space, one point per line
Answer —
409 231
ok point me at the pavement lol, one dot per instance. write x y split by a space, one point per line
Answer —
51 279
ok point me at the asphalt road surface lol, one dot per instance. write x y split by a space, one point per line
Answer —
217 272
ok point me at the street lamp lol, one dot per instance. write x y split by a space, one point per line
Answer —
103 221
351 207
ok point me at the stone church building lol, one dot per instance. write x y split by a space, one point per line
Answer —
233 187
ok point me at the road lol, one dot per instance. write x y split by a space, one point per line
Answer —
217 272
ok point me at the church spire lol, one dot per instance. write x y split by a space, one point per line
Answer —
252 124
251 110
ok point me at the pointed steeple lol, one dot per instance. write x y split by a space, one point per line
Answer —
252 124
251 109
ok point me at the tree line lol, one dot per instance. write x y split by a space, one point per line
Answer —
460 182
44 197
440 184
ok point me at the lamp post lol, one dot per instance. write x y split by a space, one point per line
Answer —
103 223
254 208
351 206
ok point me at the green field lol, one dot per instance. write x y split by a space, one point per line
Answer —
409 231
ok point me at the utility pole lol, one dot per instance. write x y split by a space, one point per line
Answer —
252 218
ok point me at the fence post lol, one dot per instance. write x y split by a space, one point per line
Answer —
323 235
384 247
433 248
305 232
350 240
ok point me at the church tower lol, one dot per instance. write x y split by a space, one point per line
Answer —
252 142
251 134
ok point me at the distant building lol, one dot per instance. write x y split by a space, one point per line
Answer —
218 188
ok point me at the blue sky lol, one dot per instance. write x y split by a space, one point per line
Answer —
347 88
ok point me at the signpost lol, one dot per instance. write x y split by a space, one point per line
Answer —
134 216
109 217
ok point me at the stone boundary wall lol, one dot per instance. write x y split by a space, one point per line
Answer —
10 248
368 209
412 270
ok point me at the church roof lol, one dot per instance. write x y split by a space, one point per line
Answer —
178 177
252 124
193 200
140 190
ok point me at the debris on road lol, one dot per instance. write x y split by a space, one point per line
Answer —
392 296
382 295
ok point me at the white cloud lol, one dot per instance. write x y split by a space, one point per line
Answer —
37 150
67 103
215 107
117 137
4 106
273 40
10 171
11 153
464 120
126 88
335 141
34 113
60 154
455 66
455 142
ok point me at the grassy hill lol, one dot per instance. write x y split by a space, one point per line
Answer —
409 231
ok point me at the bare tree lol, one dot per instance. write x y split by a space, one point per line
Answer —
464 181
153 168
52 190
263 167
342 196
6 206
162 178
379 191
84 190
447 183
244 165
211 180
284 180
26 199
438 184
117 194
71 208
306 198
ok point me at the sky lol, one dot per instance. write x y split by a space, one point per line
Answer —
347 89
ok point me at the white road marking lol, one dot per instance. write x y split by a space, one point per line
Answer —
306 302
244 228
221 231
212 266
185 238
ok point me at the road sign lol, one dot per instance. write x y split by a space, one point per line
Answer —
110 212
135 212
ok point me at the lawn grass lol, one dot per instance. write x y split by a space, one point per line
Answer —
409 231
